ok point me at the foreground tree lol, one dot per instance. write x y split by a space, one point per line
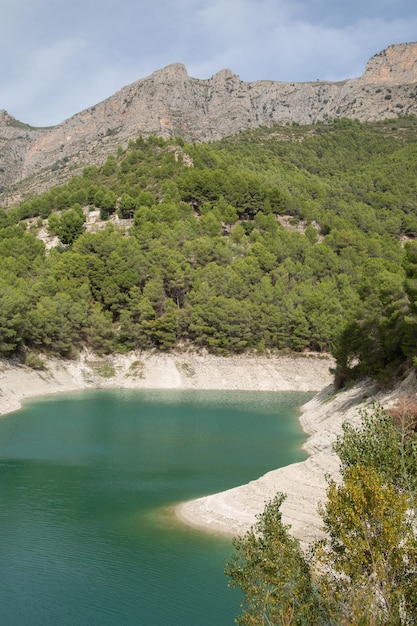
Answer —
364 571
269 567
370 554
386 444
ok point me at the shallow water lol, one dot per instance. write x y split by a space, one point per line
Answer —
88 482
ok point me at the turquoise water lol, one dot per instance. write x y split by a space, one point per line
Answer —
88 482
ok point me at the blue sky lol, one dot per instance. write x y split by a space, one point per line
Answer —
58 57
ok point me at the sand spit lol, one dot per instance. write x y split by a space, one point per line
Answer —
234 511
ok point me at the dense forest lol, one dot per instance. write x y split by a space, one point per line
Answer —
285 238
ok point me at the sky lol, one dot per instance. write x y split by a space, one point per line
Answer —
58 57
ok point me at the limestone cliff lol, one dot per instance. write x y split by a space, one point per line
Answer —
171 103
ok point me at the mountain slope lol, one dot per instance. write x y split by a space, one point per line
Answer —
171 103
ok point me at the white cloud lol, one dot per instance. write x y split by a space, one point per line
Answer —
57 57
278 47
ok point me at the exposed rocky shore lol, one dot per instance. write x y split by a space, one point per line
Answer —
187 370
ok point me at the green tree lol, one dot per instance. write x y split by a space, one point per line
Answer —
387 446
222 324
127 206
13 307
107 204
100 333
269 567
53 223
230 215
410 319
70 226
57 324
370 556
210 224
164 329
137 322
363 572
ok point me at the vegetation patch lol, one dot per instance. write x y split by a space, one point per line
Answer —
187 369
35 361
102 368
136 369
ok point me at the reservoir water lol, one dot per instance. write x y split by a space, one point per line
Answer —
88 482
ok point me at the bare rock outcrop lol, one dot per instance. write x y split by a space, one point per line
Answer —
170 103
395 65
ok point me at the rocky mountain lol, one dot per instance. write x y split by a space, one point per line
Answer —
170 103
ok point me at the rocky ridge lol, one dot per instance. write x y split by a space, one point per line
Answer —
170 103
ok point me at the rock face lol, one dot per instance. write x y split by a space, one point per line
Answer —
393 66
170 103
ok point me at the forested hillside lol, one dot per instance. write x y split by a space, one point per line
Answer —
290 238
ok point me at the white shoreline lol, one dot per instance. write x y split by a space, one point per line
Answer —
234 511
231 512
187 370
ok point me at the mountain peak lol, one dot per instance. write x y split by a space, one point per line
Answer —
169 103
225 74
177 69
395 65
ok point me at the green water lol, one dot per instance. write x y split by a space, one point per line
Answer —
88 481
